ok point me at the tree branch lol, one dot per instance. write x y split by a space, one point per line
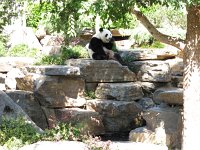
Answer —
176 42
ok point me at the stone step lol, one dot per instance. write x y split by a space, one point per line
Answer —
173 96
119 91
102 70
118 116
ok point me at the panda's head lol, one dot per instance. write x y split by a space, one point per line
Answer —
104 34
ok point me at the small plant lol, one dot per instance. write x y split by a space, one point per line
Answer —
3 49
128 59
22 50
63 131
96 144
16 133
66 53
50 60
89 95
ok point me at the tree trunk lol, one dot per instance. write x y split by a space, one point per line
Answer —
191 95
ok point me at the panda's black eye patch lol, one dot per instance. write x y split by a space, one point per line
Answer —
106 35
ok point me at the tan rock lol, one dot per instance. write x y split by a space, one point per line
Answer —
119 91
144 135
88 121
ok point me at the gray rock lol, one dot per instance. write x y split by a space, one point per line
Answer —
30 105
118 116
146 102
151 71
173 96
102 70
89 121
119 91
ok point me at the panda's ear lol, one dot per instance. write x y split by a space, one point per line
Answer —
101 29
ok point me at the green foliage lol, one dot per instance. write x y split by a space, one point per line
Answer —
3 49
22 50
62 131
17 133
89 95
66 53
7 12
38 12
162 16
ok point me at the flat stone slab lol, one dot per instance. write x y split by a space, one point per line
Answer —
137 54
119 91
102 70
54 70
172 96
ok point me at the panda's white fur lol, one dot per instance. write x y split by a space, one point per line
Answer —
104 35
100 46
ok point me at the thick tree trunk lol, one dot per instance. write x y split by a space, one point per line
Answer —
191 116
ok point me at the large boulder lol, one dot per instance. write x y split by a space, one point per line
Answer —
9 109
54 91
164 126
22 35
30 105
102 70
151 71
118 116
119 91
50 40
88 121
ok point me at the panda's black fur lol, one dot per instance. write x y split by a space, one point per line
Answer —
100 46
97 46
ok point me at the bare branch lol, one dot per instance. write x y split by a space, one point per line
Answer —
176 42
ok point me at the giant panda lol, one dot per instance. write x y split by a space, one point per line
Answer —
101 45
